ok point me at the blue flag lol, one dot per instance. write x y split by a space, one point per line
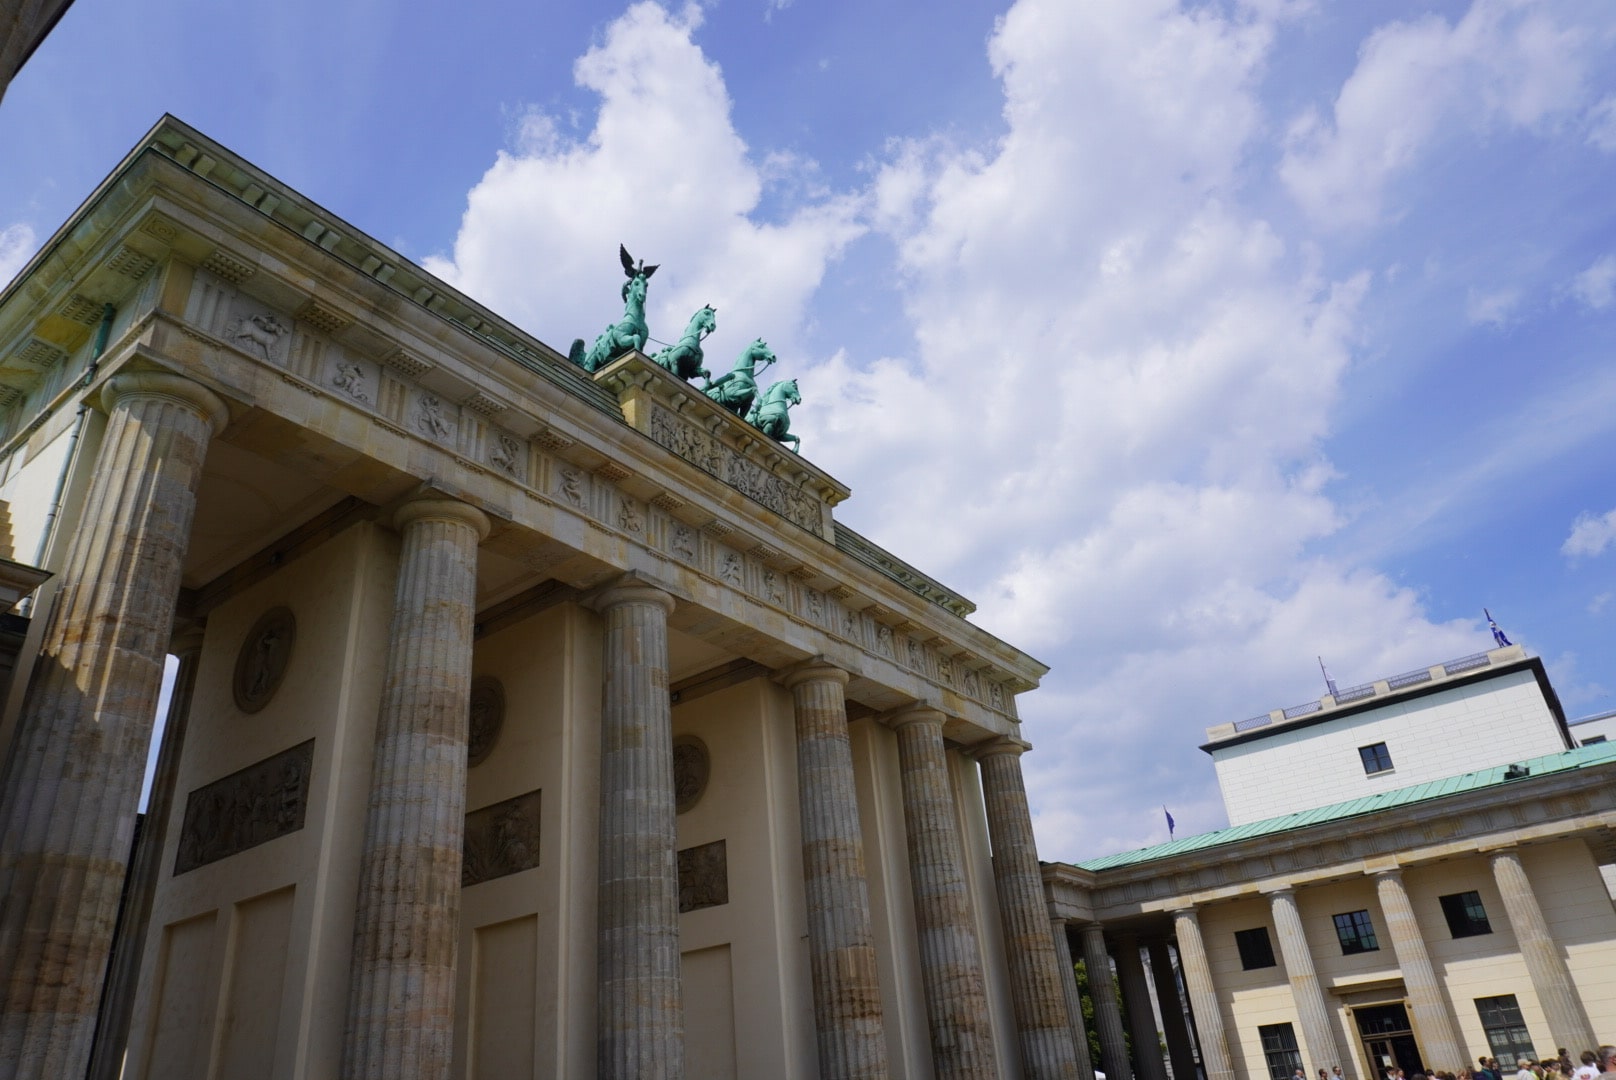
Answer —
1169 823
1498 635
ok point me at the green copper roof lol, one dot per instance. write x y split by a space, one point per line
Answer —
1581 758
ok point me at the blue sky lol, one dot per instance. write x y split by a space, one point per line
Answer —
1192 341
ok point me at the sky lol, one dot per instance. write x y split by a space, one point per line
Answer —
1192 341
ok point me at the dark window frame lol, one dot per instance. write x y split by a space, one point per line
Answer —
1376 759
1465 913
1280 1051
1505 1028
1256 949
1357 933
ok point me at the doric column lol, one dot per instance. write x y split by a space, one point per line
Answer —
950 963
1175 1028
1074 999
841 944
1107 1013
1318 1030
407 919
1203 996
69 796
640 1020
1141 1017
1431 1016
145 868
1042 1025
1556 993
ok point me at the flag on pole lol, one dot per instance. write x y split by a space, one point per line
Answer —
1329 682
1169 822
1498 635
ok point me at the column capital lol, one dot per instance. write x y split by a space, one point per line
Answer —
1278 891
429 507
193 395
919 713
1183 910
814 669
999 744
1511 850
630 589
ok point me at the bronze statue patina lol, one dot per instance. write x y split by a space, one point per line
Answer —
630 332
684 357
737 388
771 414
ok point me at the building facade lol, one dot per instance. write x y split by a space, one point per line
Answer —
528 721
1368 908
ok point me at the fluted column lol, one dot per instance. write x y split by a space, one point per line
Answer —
1107 1013
1556 993
640 1019
1175 1027
950 962
145 868
1318 1029
1074 998
407 920
1203 996
1042 1025
69 796
1147 1057
1431 1015
841 944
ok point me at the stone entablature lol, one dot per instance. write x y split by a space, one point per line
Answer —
288 332
1558 805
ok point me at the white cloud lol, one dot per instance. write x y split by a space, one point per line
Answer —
1595 287
1602 124
1503 64
17 246
1590 535
664 171
1492 308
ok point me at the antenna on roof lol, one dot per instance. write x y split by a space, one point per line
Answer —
1327 680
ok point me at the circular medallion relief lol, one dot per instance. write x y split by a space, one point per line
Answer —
691 767
487 717
264 655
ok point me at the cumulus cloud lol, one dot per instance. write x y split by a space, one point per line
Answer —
1595 287
662 170
1492 308
17 246
1590 535
1502 65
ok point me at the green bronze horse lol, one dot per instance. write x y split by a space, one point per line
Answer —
684 357
771 414
737 388
629 332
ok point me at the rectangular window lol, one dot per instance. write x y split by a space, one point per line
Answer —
1593 740
1356 931
1506 1029
1279 1047
1466 917
1376 758
1256 951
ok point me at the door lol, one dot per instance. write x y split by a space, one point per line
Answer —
1388 1038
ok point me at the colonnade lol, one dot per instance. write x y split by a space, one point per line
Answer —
69 801
1315 1012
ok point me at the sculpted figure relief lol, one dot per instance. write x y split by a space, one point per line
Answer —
737 388
264 331
684 357
629 332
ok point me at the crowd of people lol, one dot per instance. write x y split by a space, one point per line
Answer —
1594 1063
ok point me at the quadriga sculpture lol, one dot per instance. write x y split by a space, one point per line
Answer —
627 333
737 388
772 413
684 356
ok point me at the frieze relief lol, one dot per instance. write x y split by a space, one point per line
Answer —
703 877
711 455
258 804
501 839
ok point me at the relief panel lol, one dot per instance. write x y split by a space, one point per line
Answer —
247 808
